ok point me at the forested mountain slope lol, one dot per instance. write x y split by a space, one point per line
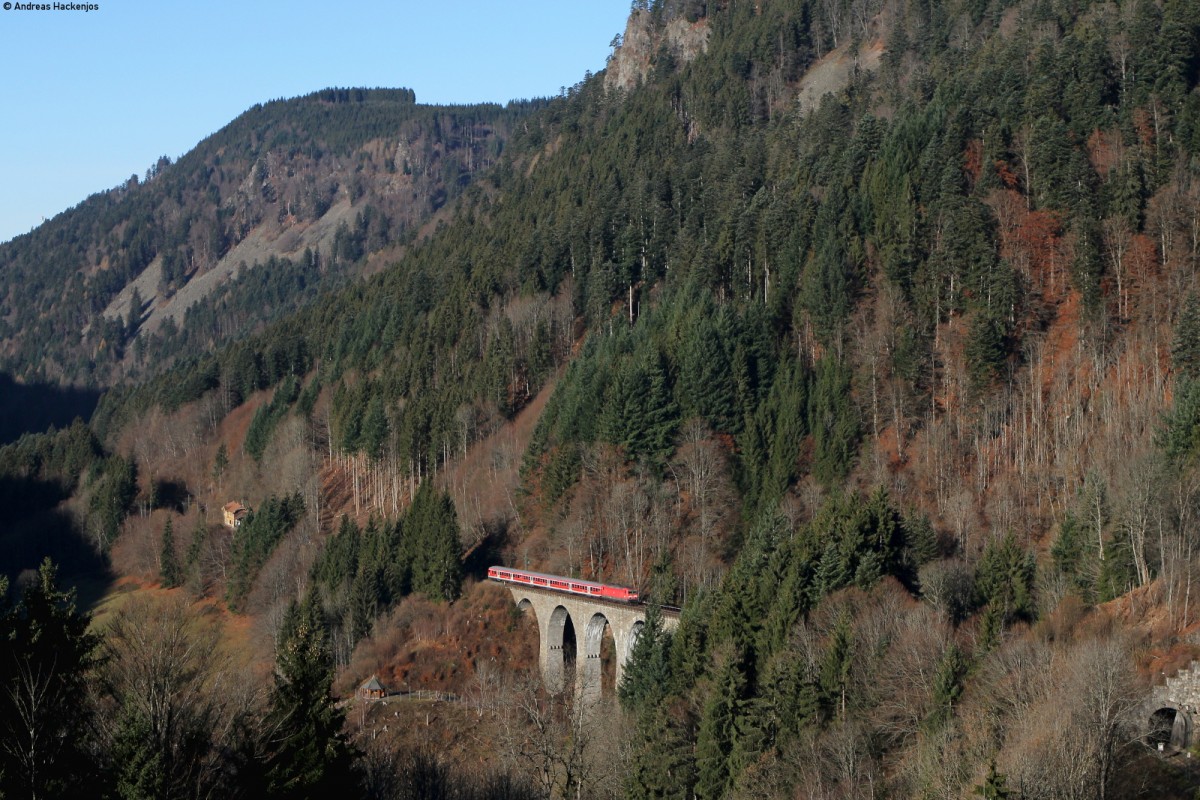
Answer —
306 188
889 373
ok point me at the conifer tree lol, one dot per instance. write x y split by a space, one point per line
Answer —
833 421
431 530
834 676
991 626
715 739
948 684
646 673
195 548
115 490
170 572
1004 578
920 546
134 320
363 599
309 756
705 376
374 434
1179 436
1185 349
1075 555
994 786
664 763
141 768
220 462
45 714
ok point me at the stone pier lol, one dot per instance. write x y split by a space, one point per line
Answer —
588 617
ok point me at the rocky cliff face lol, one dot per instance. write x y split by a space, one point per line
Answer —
644 37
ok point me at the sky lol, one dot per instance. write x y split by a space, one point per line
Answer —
89 98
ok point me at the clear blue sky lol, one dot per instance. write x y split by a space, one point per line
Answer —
88 99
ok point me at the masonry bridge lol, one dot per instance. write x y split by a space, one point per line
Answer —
558 615
1171 711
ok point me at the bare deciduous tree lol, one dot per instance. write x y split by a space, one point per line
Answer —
1080 728
165 678
570 751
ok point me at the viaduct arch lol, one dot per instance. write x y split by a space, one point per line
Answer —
588 618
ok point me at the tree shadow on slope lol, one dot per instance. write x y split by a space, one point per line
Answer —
488 552
34 407
34 526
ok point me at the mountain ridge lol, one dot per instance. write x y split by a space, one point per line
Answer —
259 173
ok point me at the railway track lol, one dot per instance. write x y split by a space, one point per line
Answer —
669 611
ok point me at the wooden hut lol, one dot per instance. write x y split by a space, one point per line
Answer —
372 689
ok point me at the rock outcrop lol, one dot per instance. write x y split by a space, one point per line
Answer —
644 36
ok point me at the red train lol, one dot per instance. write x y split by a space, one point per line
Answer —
561 584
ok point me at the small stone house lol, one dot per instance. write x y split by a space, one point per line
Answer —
372 689
235 512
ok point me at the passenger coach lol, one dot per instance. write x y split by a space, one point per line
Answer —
560 584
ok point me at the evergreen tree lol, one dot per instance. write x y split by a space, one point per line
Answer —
994 785
45 711
1087 268
134 320
195 549
431 531
363 605
115 489
374 434
991 626
833 678
1185 350
1075 555
1179 436
773 435
1117 573
833 421
641 415
170 572
948 684
689 657
142 771
309 756
860 543
646 673
257 537
705 384
920 541
664 763
1004 578
715 738
985 350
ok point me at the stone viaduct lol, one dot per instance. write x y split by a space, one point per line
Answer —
588 617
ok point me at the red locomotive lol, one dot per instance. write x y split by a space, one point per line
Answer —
561 584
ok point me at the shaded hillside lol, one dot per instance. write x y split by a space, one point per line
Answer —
38 406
